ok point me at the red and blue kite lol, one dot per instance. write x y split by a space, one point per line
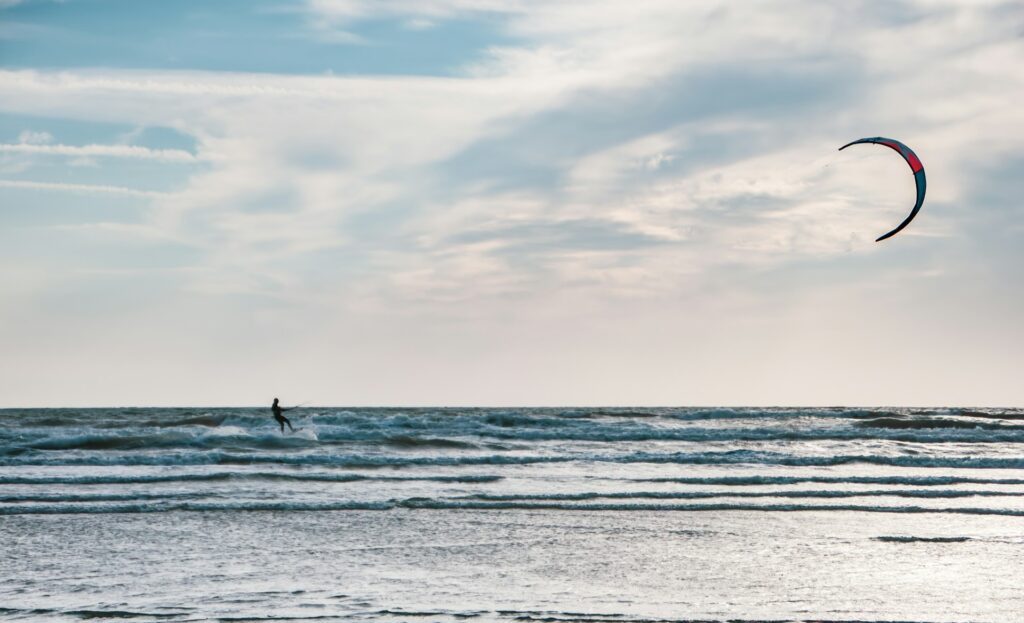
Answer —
915 166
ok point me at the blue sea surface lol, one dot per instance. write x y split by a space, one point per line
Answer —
555 514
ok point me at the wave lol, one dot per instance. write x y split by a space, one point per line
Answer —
369 461
101 497
559 616
161 507
698 495
420 418
730 481
734 457
118 418
237 438
443 504
540 616
1000 414
932 423
62 416
215 438
431 613
414 503
923 539
925 481
165 497
196 420
554 616
119 614
222 476
426 442
92 614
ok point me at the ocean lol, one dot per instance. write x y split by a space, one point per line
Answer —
612 515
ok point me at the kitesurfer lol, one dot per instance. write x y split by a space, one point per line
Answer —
276 409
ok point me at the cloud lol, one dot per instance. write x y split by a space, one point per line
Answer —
353 10
79 188
29 137
110 151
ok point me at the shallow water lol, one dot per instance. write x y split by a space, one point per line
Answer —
530 514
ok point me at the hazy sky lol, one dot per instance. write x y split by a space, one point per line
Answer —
451 202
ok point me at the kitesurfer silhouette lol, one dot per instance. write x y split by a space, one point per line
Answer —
276 409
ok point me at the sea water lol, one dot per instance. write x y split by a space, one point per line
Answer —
600 515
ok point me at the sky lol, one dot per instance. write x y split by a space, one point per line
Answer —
509 202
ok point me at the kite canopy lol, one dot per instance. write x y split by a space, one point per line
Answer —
915 166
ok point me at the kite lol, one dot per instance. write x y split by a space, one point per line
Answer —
915 166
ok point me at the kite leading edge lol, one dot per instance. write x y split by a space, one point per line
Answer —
915 166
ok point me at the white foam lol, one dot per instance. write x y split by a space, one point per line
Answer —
306 433
226 431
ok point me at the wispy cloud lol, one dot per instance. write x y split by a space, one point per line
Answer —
79 188
359 9
110 151
30 137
